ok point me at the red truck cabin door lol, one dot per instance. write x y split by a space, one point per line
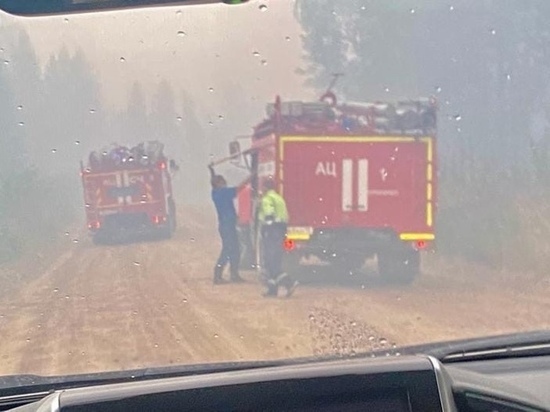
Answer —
368 182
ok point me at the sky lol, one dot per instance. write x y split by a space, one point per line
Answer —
221 55
196 48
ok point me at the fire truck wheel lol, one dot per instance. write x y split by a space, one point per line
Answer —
170 227
399 266
97 239
291 263
172 215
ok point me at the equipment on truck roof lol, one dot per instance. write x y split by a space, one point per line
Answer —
145 154
409 117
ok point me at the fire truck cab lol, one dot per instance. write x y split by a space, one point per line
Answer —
359 180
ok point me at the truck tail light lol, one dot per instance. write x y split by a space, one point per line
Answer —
420 244
94 225
157 219
289 245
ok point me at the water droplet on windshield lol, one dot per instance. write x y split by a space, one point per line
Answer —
19 107
371 338
67 233
264 62
28 340
136 263
77 142
179 119
75 240
241 337
383 341
181 33
92 111
508 77
438 89
413 11
451 8
122 59
311 317
493 32
387 89
21 123
192 239
256 54
67 297
178 13
156 345
287 38
216 336
54 150
262 7
457 117
220 117
66 20
6 62
211 90
211 123
184 300
363 7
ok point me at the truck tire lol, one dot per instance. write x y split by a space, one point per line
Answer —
98 240
168 230
399 266
291 263
172 215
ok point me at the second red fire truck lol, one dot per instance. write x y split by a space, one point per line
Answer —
128 192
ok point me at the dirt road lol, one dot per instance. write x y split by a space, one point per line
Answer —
129 306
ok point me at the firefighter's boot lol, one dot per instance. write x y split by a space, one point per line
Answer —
218 272
235 277
288 283
272 289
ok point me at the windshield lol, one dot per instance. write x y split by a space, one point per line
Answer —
271 180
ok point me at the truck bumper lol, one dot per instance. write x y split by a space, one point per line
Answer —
335 244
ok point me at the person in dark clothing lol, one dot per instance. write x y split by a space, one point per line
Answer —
223 198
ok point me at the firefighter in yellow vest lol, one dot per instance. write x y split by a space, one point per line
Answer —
273 217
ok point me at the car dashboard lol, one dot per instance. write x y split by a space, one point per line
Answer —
396 383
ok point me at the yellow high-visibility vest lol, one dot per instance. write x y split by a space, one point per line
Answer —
273 204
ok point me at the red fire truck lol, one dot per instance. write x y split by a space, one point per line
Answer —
359 180
128 192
